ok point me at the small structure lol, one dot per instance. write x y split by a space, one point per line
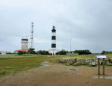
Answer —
4 52
101 62
19 51
24 44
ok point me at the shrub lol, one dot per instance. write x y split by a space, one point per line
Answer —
21 53
62 52
108 64
82 52
77 64
68 64
31 51
43 52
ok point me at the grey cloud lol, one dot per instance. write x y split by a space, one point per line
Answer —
86 22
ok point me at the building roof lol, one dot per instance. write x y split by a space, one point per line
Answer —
21 50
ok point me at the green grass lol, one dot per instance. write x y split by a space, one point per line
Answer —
10 64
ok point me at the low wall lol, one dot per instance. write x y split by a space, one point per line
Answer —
91 61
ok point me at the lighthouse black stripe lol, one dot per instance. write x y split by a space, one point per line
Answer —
24 39
53 37
53 45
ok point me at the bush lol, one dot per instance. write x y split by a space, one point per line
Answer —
77 64
108 64
68 64
106 52
40 52
82 52
31 51
62 52
21 52
2 72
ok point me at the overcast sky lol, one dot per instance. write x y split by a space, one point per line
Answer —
87 23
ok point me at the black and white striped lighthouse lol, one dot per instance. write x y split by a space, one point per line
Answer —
53 39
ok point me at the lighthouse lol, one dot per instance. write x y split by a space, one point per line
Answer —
53 41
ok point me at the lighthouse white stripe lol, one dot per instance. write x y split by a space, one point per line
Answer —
53 41
53 34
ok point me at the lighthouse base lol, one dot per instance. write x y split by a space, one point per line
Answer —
53 52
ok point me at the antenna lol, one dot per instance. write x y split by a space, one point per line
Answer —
32 31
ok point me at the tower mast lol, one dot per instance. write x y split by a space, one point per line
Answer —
32 32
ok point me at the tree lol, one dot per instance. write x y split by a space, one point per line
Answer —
31 51
62 52
103 52
82 52
106 52
43 52
21 52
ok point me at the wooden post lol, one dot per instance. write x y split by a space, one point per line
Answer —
98 66
103 66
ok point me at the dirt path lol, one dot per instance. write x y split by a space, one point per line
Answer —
57 75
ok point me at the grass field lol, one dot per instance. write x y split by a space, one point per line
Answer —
10 64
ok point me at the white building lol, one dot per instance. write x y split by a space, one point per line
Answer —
24 44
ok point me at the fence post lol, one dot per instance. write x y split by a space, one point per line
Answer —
98 66
103 66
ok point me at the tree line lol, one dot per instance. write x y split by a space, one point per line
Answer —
62 52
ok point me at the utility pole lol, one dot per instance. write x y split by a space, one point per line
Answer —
70 45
